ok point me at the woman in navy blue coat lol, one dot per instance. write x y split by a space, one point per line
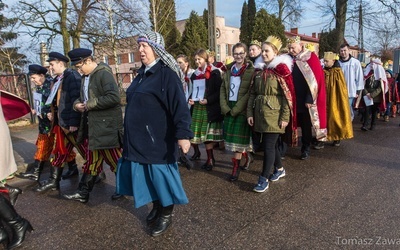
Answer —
157 124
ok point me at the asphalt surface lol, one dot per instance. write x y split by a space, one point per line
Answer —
343 197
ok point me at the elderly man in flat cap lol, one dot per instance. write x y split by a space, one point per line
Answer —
101 124
45 139
65 119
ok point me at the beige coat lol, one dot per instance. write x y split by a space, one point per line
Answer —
7 160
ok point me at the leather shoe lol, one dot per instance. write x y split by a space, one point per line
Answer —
116 196
363 128
162 224
77 197
304 156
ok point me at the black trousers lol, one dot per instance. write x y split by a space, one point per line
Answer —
370 113
304 122
272 156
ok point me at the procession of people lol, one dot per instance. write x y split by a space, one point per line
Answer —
258 103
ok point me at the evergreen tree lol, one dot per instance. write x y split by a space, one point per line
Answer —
244 29
11 61
163 20
194 36
327 42
6 36
205 20
252 11
267 25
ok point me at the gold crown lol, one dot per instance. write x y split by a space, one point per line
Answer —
295 39
330 55
275 41
210 52
255 42
310 47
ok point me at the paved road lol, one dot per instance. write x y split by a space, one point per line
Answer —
341 197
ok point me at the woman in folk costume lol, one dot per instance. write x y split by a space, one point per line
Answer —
271 108
337 101
206 110
233 99
373 94
309 83
157 122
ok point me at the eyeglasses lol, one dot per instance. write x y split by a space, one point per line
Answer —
80 66
238 54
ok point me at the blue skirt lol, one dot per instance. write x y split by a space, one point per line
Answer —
150 182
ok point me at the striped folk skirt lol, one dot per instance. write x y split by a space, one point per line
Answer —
203 130
237 133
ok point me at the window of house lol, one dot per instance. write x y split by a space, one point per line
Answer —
118 59
226 49
105 59
131 57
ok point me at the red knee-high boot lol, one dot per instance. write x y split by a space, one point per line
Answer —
210 160
235 169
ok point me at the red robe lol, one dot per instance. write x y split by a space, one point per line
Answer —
13 106
310 66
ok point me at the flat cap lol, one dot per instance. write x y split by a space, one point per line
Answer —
77 55
36 69
57 56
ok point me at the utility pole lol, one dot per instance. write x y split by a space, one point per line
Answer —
361 54
43 54
212 39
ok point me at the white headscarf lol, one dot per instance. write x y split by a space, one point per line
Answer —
156 41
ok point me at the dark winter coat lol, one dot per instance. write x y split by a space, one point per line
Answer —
104 115
156 116
70 87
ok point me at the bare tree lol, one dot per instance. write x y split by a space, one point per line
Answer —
74 20
289 12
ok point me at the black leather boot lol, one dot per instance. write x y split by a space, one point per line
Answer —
85 187
116 195
72 170
53 182
163 221
17 224
34 172
154 213
101 177
12 193
3 235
